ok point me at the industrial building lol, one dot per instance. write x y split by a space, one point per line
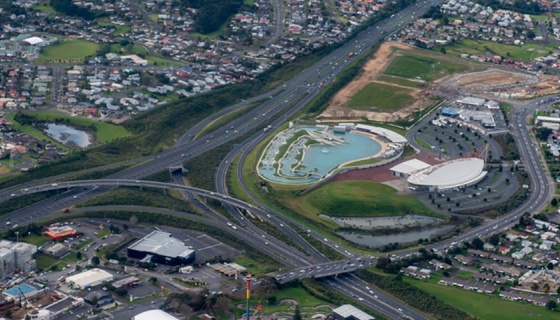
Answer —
457 173
154 314
89 278
161 247
349 312
99 298
16 257
56 250
472 101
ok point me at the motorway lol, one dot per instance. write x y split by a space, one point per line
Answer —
292 95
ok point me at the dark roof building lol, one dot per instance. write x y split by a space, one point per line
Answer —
161 247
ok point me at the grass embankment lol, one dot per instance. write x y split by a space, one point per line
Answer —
484 306
144 197
527 52
423 68
357 199
68 51
380 97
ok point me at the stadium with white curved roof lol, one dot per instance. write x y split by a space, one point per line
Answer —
154 315
452 174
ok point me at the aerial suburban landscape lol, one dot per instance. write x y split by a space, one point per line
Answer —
279 159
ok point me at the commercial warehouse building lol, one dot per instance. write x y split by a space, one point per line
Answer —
161 247
89 278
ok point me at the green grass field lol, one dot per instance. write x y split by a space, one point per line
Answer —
68 51
45 262
516 52
399 81
423 68
35 239
487 307
360 199
380 97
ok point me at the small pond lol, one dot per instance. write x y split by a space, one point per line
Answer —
68 136
381 240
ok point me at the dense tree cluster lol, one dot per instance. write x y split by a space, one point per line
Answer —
69 8
212 13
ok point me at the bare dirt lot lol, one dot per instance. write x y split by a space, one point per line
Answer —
372 69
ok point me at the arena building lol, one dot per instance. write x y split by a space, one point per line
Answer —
449 175
161 247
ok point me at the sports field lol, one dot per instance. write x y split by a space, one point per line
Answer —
68 51
484 306
380 97
359 199
423 68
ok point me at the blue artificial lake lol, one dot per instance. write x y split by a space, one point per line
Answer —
318 159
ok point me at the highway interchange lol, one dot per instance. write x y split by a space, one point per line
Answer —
292 95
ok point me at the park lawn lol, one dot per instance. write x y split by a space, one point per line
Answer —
515 52
36 239
360 199
68 51
73 257
45 8
45 262
399 81
484 306
380 97
248 2
423 68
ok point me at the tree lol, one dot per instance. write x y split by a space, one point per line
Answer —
551 305
535 286
153 280
546 287
297 315
554 202
8 313
558 290
477 243
442 50
95 261
494 239
531 34
79 255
